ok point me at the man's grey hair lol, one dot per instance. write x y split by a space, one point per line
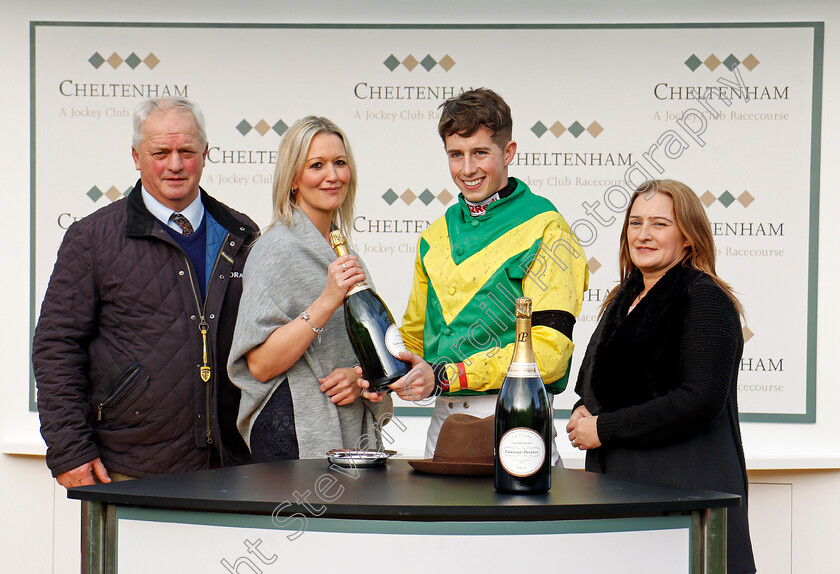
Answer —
153 105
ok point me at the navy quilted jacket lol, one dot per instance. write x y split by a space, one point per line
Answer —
118 345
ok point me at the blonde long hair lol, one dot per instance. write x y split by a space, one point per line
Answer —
291 158
694 225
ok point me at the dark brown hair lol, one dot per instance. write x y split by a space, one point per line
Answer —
480 108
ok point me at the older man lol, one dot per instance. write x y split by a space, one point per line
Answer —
135 328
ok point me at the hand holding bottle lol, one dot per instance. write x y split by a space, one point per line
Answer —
370 326
366 394
341 386
287 344
416 385
342 274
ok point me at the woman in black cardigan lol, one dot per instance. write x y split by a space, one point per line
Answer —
658 381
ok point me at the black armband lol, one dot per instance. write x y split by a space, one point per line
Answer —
441 380
561 321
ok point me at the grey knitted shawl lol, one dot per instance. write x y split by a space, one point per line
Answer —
285 272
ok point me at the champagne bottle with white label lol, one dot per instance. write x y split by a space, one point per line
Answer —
523 417
375 338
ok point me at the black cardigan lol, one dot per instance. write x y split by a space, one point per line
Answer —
662 380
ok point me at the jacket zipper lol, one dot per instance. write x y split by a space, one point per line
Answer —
121 383
203 327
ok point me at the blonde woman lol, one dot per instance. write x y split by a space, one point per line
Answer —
291 355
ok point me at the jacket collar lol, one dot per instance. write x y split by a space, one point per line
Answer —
627 343
140 222
655 305
516 188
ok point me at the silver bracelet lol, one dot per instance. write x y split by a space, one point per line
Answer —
318 331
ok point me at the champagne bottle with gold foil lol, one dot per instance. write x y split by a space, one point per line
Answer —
523 417
370 326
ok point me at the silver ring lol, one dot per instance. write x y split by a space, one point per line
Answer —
344 266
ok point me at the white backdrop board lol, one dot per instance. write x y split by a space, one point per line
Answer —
733 110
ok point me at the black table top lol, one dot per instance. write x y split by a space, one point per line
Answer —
397 492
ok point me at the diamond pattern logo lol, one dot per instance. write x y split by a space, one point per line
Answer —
446 63
750 62
95 194
746 198
133 61
539 129
113 193
693 62
391 62
262 127
748 334
243 127
576 129
115 60
280 127
731 62
594 129
409 196
557 129
727 198
445 197
96 60
594 265
426 197
428 62
410 62
390 196
712 62
151 61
